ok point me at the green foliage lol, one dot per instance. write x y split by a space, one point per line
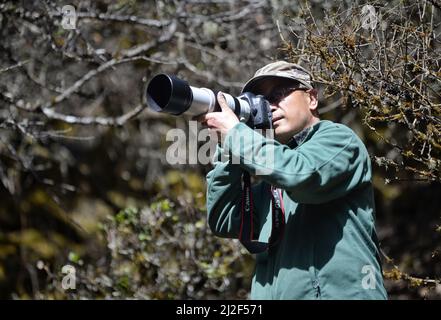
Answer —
160 251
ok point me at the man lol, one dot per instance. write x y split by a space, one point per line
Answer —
327 248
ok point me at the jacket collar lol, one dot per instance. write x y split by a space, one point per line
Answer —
304 135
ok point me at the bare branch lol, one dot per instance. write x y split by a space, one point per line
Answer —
17 65
119 121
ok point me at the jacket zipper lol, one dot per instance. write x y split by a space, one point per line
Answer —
316 286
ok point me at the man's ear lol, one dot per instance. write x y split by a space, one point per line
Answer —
313 96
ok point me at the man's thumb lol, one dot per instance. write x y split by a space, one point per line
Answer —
222 101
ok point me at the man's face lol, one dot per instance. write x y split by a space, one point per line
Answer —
293 109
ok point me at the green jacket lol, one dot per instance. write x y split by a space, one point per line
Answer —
328 249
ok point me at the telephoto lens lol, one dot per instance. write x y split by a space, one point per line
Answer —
172 95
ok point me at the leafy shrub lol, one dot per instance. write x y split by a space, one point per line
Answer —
162 251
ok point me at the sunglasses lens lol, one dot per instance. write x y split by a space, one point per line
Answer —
277 95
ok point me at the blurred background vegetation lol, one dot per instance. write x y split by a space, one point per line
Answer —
84 181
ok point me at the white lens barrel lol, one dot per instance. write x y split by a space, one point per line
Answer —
204 101
244 108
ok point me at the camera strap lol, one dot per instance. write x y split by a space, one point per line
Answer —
246 233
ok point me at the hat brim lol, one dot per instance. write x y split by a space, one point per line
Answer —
264 84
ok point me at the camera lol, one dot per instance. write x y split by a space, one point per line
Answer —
172 95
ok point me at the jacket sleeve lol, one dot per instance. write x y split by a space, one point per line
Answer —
224 198
329 165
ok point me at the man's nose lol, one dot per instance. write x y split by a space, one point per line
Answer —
274 107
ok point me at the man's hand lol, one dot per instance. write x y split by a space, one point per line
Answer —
220 122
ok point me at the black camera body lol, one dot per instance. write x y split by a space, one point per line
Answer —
170 94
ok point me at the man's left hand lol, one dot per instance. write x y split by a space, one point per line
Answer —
220 122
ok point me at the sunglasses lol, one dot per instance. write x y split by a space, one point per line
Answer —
277 95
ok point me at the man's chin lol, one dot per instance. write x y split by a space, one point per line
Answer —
281 136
